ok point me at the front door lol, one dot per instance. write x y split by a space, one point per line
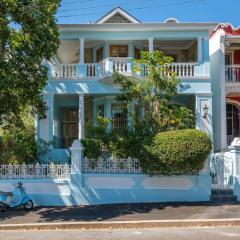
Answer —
118 51
69 126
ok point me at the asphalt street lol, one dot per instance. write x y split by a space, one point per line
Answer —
122 212
130 234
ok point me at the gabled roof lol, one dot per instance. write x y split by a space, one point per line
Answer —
120 13
228 29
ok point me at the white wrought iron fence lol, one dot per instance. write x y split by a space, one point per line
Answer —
222 171
111 165
35 171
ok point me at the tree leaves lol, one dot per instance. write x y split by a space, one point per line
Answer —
28 35
155 93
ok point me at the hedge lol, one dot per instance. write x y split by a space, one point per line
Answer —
180 152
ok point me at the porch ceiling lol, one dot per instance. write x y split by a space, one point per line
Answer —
68 51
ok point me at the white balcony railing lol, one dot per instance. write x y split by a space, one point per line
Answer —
183 69
232 73
121 65
66 71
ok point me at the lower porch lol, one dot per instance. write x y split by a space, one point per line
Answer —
70 116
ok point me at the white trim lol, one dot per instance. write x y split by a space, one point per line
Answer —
203 95
81 116
200 49
81 50
51 116
151 44
118 11
116 27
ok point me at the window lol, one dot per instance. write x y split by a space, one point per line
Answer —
119 51
138 112
119 116
228 59
69 126
100 110
137 54
99 55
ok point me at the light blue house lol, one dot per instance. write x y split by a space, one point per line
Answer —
80 84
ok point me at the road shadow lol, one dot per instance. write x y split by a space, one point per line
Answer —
116 212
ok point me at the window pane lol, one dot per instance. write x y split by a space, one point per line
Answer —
100 110
69 127
119 116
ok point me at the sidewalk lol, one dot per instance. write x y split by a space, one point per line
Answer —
122 212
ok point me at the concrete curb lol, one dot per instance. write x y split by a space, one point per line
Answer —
230 222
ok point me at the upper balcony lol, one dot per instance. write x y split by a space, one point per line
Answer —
232 73
232 60
94 60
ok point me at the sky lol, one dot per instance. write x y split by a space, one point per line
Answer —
83 11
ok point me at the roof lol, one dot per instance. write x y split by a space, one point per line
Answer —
115 27
115 11
119 20
228 28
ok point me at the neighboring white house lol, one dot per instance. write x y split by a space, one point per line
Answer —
225 72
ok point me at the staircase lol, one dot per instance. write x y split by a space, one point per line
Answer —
223 195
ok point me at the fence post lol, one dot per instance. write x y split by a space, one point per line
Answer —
76 177
76 157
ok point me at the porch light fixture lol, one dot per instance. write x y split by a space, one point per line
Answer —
205 111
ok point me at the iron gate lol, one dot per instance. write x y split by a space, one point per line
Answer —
222 171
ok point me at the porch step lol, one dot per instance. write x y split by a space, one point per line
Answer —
222 192
223 195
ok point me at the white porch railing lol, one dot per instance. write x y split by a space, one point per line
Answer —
66 71
35 171
180 69
111 165
92 70
121 65
232 73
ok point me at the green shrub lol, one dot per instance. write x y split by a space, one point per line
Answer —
92 148
18 146
176 152
17 143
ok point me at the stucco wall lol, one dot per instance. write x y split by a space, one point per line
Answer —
89 189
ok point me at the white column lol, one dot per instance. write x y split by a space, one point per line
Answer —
223 113
200 49
150 44
81 50
106 48
81 117
130 50
51 116
76 157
